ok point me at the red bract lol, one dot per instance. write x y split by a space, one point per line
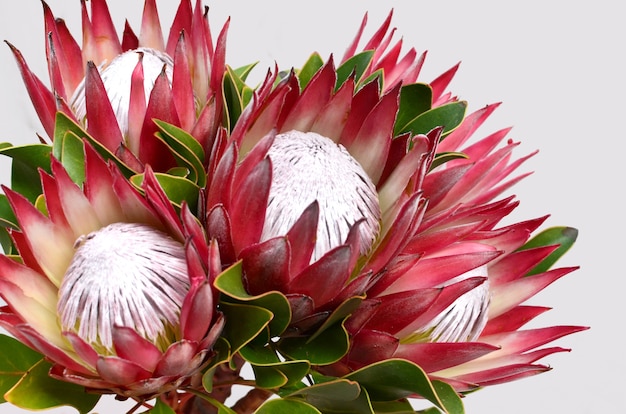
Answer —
107 82
117 355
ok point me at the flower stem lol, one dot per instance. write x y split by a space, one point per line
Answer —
251 401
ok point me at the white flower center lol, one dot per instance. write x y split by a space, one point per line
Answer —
462 321
309 167
128 275
116 77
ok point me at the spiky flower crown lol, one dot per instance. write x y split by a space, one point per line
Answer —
335 228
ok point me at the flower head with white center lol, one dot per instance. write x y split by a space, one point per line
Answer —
124 275
309 167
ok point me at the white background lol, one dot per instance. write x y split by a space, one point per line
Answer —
559 69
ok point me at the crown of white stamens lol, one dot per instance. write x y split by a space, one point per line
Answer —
465 319
309 167
127 275
117 76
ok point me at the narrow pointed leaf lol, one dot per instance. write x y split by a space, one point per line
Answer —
415 99
27 160
448 116
563 236
310 68
244 323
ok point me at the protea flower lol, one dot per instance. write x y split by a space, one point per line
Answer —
335 207
451 301
345 178
109 282
115 88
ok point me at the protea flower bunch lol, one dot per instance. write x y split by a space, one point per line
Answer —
336 228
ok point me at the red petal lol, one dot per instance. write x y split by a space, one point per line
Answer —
129 345
99 189
393 240
120 371
433 357
151 34
513 319
218 227
182 89
362 104
440 84
43 100
371 346
162 206
302 237
51 351
313 98
324 279
248 206
101 121
266 266
137 106
398 310
160 106
82 349
177 360
470 124
332 118
507 296
106 40
197 312
130 41
371 144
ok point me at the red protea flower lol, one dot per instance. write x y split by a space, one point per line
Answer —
115 88
451 301
367 184
109 281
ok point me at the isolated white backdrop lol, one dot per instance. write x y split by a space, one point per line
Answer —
559 69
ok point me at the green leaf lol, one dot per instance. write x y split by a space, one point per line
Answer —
177 189
243 71
236 96
280 374
36 390
357 64
340 313
562 236
337 396
376 76
186 150
448 116
64 124
27 160
415 99
443 157
243 323
396 407
395 379
70 151
7 217
161 408
309 69
326 348
286 406
230 283
221 348
15 361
